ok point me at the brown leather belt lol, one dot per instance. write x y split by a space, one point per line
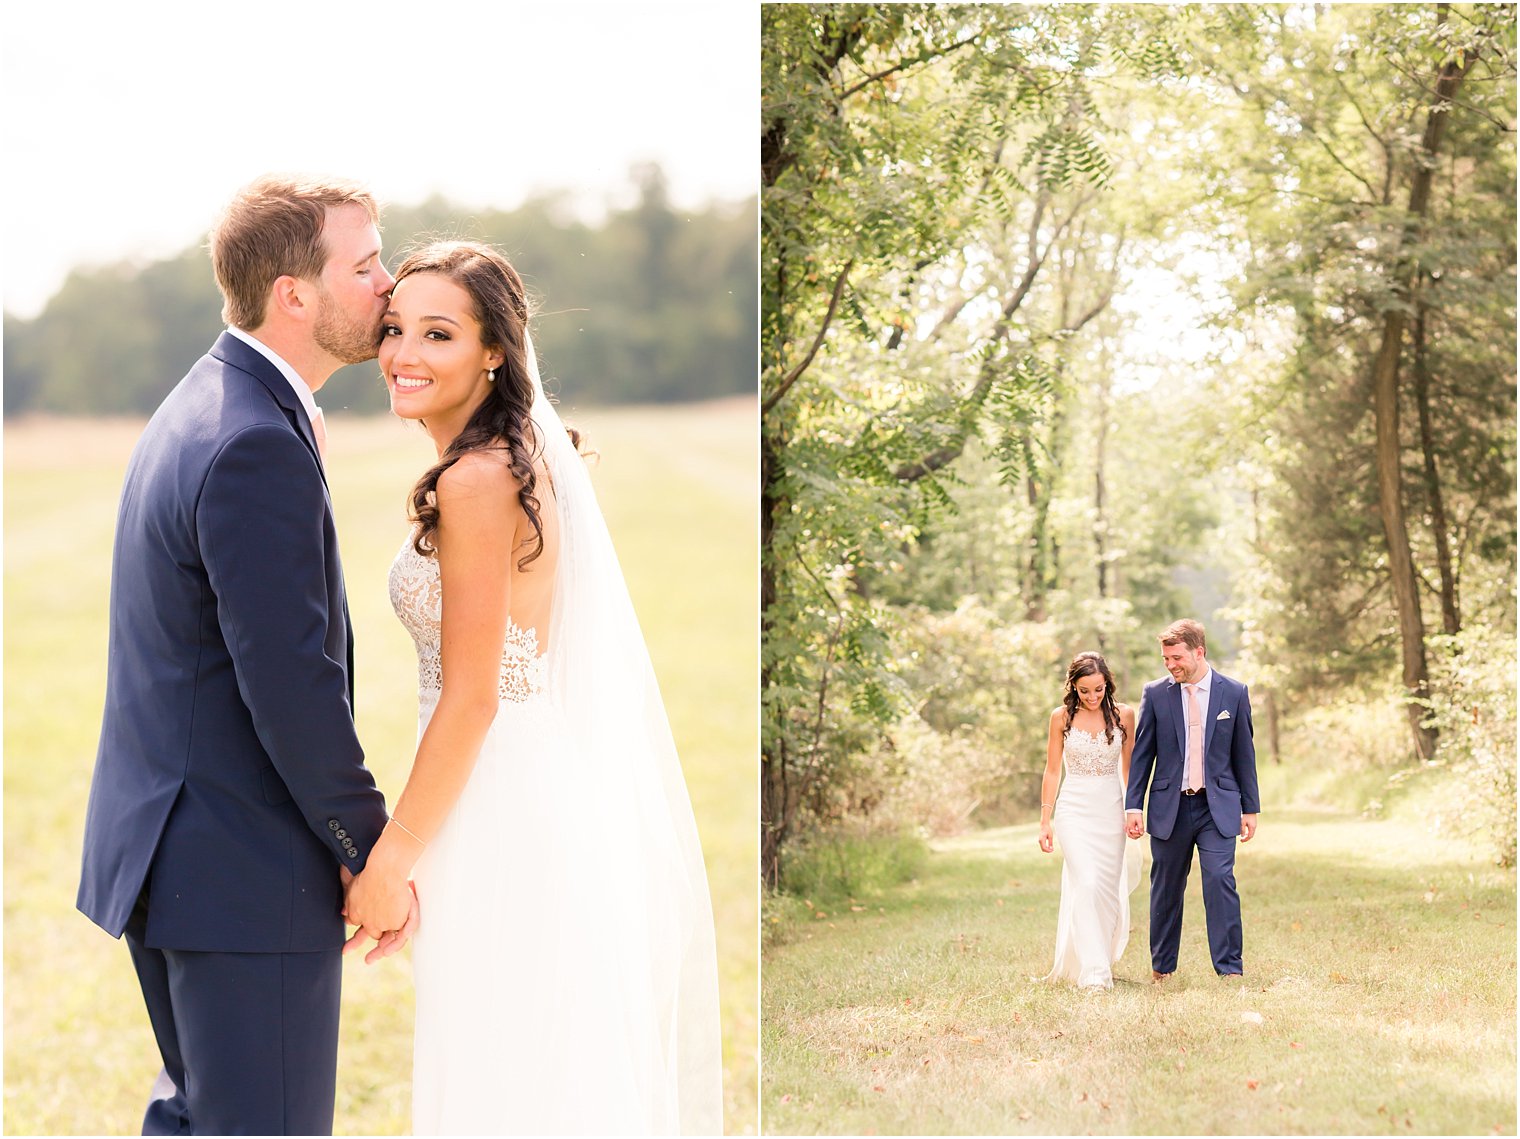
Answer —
1192 793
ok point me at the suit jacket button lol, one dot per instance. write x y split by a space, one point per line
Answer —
332 824
342 833
352 853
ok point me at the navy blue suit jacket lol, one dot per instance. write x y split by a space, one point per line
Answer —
1229 755
229 779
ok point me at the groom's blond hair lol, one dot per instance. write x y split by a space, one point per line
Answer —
1184 632
272 229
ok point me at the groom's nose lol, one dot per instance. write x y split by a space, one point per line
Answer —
384 282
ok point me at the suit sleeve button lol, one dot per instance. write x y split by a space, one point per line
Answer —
332 824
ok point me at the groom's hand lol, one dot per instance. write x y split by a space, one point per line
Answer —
1247 827
1134 824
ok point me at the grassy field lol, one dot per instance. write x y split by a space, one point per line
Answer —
678 487
1380 997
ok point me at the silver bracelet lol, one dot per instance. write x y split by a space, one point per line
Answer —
403 826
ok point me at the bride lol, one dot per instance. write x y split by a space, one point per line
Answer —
565 967
1092 736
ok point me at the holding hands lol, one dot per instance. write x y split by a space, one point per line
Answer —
381 901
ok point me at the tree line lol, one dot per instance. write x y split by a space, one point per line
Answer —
1079 318
651 304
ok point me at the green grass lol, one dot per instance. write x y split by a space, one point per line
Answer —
1380 959
678 487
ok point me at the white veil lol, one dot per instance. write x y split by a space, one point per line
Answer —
661 915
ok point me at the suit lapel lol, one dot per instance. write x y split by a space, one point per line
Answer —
229 349
1216 701
1179 719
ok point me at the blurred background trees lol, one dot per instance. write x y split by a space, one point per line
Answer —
652 303
1077 319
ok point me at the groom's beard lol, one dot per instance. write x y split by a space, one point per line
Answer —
343 338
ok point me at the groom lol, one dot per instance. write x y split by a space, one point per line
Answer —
1195 731
230 803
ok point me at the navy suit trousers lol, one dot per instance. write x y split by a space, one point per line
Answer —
249 1040
1172 860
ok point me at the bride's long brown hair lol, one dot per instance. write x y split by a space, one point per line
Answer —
503 421
1086 664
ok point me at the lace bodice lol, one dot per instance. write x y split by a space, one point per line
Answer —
1088 754
416 589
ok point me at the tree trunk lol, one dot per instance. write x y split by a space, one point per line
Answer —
1406 593
1451 620
1269 698
775 797
1385 398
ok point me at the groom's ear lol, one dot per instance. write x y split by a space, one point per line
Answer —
287 296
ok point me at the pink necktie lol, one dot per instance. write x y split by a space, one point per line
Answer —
319 429
1195 740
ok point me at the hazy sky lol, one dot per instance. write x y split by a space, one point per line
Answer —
127 126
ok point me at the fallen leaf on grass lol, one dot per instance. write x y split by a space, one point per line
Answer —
1339 978
1251 1017
1026 1116
878 1088
1253 1084
1297 927
1294 1044
857 909
820 914
787 1098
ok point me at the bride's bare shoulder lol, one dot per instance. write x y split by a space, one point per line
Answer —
479 489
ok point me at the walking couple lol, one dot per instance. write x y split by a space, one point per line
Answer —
543 850
1192 751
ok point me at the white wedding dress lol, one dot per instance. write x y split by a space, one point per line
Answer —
565 967
1100 866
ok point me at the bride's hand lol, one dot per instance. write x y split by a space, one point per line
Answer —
1047 839
380 899
393 941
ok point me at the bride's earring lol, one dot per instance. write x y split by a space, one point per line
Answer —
491 375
